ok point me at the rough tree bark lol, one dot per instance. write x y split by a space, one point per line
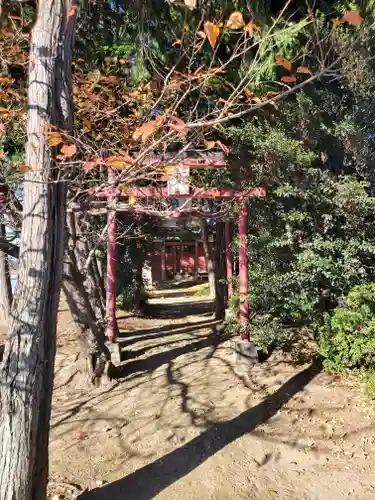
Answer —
207 255
220 264
26 375
5 284
77 288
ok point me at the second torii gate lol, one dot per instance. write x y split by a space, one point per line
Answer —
152 192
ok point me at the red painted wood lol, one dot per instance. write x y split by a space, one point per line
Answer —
139 277
161 192
228 252
111 274
243 271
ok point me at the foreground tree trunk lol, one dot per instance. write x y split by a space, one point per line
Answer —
207 255
5 284
26 376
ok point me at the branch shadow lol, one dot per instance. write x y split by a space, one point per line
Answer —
146 483
153 362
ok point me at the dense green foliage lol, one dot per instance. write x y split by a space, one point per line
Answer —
347 338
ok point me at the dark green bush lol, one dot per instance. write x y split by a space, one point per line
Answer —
347 338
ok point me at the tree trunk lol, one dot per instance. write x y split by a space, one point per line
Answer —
207 255
220 264
5 284
92 333
27 372
83 303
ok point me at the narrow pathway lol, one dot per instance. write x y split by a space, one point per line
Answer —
182 424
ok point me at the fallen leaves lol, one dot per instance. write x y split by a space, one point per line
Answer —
235 21
212 31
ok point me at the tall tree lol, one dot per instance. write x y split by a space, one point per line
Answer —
27 372
5 285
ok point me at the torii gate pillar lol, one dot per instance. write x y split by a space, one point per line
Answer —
112 328
243 273
228 254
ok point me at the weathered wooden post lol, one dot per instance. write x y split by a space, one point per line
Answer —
163 270
196 260
245 351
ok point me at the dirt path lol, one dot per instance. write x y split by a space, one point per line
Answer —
182 424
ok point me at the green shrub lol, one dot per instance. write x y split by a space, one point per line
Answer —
370 384
347 338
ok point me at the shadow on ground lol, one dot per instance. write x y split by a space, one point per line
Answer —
150 480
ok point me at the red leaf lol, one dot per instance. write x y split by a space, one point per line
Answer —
303 69
353 17
288 79
284 63
68 150
22 167
89 165
223 147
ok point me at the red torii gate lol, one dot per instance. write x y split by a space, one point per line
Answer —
112 192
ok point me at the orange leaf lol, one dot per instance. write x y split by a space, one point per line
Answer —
176 42
113 160
73 10
210 144
5 80
288 79
303 69
353 17
15 18
190 3
212 31
284 63
22 167
89 165
54 139
235 21
148 129
165 178
68 150
4 110
7 34
251 28
202 34
132 200
337 22
178 125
